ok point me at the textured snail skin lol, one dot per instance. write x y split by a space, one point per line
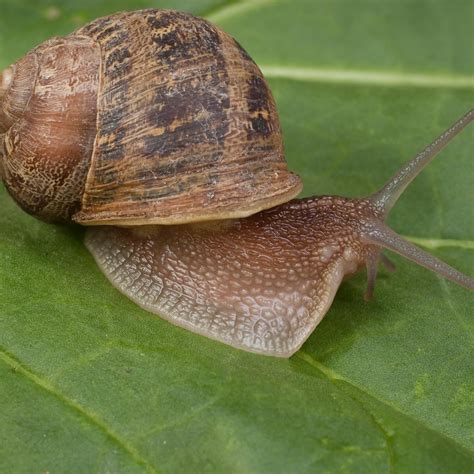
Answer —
144 117
158 117
261 284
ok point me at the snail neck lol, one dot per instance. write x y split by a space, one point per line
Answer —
377 235
356 228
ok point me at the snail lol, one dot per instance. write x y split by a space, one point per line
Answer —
157 130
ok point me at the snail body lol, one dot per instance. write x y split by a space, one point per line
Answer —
158 117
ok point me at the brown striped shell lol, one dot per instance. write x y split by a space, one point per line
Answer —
159 117
145 117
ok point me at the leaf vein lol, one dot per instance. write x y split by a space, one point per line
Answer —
366 77
20 368
449 299
335 377
232 8
441 243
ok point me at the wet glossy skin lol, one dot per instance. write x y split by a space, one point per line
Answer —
261 284
179 126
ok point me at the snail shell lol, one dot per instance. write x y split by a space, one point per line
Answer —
146 117
157 117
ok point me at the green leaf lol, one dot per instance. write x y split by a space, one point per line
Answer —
91 383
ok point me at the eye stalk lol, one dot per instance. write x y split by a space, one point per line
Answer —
379 236
263 283
387 196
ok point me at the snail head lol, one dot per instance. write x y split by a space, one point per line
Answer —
263 283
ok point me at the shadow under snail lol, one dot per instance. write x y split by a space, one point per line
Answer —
157 130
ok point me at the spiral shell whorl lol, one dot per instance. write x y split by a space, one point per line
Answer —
47 126
16 87
146 117
6 78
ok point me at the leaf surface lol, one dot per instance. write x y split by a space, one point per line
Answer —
91 383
